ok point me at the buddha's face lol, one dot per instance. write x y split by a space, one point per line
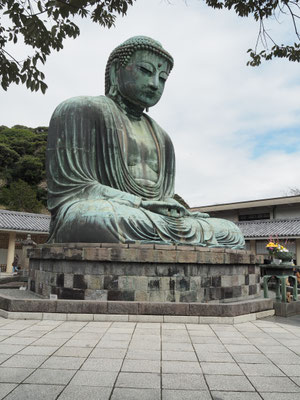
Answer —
143 79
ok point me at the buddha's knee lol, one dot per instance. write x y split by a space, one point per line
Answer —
89 221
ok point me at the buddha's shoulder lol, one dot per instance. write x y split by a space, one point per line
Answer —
83 103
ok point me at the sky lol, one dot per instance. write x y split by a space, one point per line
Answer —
235 128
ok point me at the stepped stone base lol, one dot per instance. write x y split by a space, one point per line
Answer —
144 273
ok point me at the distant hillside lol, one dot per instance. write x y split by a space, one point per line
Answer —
22 168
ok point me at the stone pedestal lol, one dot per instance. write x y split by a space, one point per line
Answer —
150 273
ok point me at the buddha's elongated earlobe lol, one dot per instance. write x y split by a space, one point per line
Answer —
113 90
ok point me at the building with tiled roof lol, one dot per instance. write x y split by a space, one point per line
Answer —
14 228
261 219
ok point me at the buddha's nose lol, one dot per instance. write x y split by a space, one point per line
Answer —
153 83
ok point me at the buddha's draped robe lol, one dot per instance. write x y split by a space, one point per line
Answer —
92 195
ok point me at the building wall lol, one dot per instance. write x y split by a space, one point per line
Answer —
287 211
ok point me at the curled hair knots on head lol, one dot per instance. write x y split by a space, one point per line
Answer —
123 53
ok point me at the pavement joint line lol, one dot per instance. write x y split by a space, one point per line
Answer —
114 385
244 330
266 355
34 369
87 322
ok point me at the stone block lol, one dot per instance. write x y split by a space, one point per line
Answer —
118 295
126 283
182 284
68 280
252 289
188 297
184 319
153 284
94 307
163 309
73 254
195 283
187 256
141 295
146 255
111 282
92 294
156 296
96 254
125 255
67 293
146 318
169 256
216 281
71 306
122 307
80 317
226 281
110 317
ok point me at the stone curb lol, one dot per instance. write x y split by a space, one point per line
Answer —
137 318
193 310
148 253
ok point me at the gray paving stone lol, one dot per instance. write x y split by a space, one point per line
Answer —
10 348
289 359
14 375
185 395
251 358
242 348
221 368
29 392
210 348
102 364
73 352
138 380
5 388
236 396
113 344
205 340
53 376
18 340
152 366
215 357
229 383
63 363
108 353
177 347
290 370
274 384
85 392
4 357
38 351
261 370
143 355
81 343
135 394
183 381
177 367
17 361
94 378
280 396
178 356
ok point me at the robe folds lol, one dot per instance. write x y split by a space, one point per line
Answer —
92 195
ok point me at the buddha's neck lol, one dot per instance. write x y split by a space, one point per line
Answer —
132 110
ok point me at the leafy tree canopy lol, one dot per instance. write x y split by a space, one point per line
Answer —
20 196
22 162
43 25
262 11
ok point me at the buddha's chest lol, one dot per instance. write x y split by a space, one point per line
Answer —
142 152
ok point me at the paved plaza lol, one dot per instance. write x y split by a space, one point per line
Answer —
71 360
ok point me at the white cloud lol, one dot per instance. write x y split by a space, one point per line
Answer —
214 106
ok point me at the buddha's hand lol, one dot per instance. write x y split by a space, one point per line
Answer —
169 207
198 214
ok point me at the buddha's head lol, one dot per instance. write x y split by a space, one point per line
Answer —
137 71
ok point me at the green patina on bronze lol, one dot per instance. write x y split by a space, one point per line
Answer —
111 167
